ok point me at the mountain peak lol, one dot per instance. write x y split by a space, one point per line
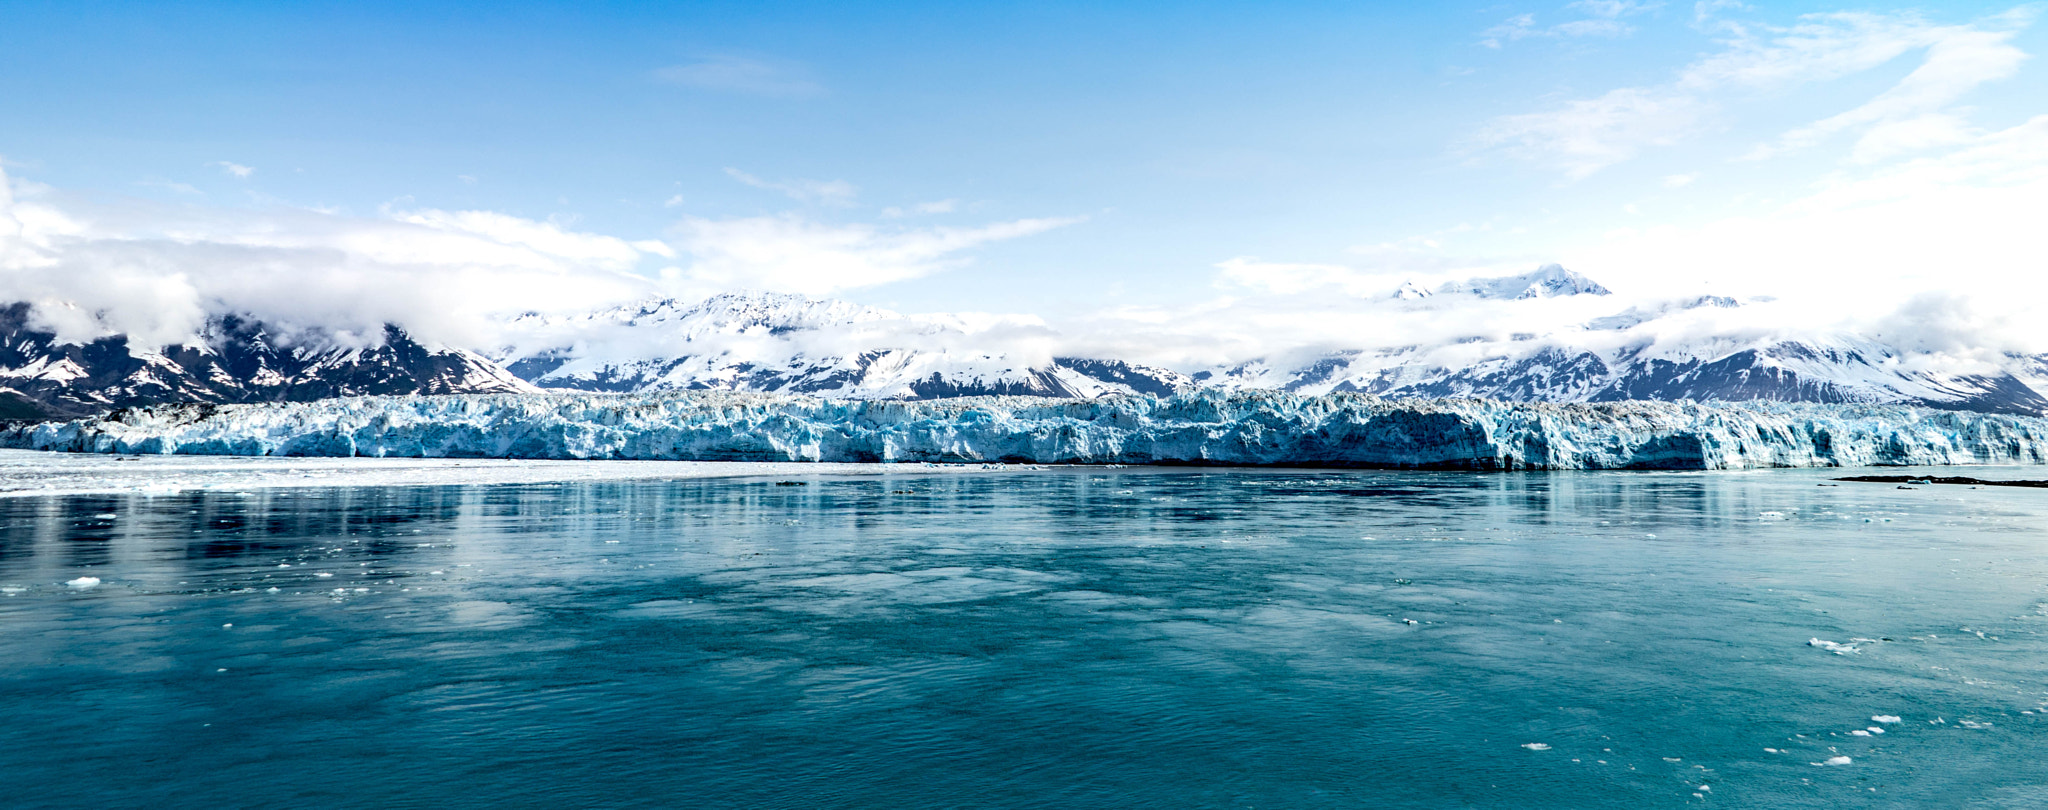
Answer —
1548 281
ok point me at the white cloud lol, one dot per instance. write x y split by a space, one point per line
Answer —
168 185
1960 224
1705 14
1284 278
828 192
154 271
238 170
934 207
1584 136
1680 180
1936 254
1594 28
1959 59
789 253
738 74
1611 9
1513 28
1605 22
1588 135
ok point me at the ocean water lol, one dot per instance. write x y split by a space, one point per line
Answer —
1056 638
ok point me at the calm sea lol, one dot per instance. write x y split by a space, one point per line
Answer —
1067 638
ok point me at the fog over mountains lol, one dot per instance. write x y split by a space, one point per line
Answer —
768 342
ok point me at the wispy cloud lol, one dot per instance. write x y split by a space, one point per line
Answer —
1604 20
171 185
1583 136
790 253
739 74
933 207
828 192
1908 116
238 170
1587 135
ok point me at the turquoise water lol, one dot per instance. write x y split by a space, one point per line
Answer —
1066 638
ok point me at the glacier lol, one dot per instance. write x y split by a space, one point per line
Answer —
1202 427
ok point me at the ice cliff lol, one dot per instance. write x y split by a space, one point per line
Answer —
1208 427
1201 428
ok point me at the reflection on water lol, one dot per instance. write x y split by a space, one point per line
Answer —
1162 638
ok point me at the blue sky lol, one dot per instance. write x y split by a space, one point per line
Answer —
1048 158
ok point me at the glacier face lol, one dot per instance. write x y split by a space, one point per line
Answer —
1206 427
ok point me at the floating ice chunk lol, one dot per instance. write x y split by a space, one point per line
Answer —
1536 746
84 582
1859 733
1838 649
1835 761
1875 730
105 516
323 575
11 590
1973 724
1770 750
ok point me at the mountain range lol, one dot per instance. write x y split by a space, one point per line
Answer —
756 341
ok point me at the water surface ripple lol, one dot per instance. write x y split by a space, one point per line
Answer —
1067 638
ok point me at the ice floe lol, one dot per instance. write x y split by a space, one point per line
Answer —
1838 649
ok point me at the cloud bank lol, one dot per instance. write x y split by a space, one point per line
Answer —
155 271
1583 136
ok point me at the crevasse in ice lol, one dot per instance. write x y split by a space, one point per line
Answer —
1242 427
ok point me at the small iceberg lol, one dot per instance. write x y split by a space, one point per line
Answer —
84 582
1838 649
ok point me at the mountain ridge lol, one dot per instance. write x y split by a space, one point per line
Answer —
782 343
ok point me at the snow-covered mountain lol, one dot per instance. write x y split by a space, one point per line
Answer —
756 341
1548 281
235 360
766 342
1837 369
792 344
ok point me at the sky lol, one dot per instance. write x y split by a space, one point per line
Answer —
1265 169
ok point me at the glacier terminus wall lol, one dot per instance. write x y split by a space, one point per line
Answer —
1205 427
